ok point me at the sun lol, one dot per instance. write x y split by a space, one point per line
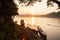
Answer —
32 12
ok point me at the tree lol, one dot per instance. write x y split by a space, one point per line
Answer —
56 1
30 2
7 26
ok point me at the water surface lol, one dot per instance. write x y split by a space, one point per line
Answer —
51 26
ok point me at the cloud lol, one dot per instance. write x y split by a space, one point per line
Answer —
39 8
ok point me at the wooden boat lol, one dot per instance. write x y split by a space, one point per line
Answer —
38 31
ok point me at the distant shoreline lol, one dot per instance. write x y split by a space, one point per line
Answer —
37 16
50 15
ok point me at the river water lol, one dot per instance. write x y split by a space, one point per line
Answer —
51 26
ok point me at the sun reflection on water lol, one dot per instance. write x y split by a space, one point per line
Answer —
33 20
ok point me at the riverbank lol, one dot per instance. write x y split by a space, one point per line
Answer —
28 34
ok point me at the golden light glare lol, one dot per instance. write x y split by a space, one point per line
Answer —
32 11
39 8
33 20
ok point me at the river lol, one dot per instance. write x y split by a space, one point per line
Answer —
51 26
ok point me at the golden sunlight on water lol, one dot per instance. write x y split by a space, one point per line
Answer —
52 30
33 20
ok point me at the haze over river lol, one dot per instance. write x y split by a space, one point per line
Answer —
51 26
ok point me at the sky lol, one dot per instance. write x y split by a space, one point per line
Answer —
38 8
59 0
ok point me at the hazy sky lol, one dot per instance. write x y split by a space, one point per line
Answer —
59 0
39 8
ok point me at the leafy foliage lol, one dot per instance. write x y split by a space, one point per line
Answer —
30 1
8 29
7 8
7 26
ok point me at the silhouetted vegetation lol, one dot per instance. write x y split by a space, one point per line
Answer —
56 1
10 30
7 26
30 2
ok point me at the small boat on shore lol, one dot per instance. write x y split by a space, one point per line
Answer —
38 31
30 32
42 34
